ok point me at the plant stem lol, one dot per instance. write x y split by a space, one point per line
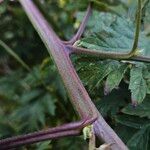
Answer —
113 55
20 141
14 55
106 55
137 30
82 27
78 95
61 58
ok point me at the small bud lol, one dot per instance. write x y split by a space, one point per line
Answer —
87 132
134 103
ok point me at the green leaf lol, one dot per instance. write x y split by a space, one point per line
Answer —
140 140
142 110
124 132
36 111
148 86
146 12
9 88
93 73
44 145
132 121
137 85
107 32
115 77
146 75
112 103
31 95
49 104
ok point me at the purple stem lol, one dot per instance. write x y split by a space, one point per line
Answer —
51 133
106 55
78 95
17 141
81 28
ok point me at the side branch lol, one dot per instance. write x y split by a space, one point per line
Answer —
52 133
81 28
137 30
106 55
131 55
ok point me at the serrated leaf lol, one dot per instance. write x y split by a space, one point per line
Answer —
148 86
49 104
31 95
112 33
137 85
112 103
124 132
115 77
146 12
44 145
142 110
36 111
132 121
93 73
140 140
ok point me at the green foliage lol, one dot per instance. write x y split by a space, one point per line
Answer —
137 85
123 82
140 140
116 34
112 33
115 77
142 110
35 100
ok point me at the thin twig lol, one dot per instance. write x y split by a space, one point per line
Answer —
14 55
80 31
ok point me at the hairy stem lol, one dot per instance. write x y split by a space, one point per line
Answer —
13 143
77 93
106 55
52 133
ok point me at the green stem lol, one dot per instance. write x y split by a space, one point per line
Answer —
137 30
14 55
113 55
103 7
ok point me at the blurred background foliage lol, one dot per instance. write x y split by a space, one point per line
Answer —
35 99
